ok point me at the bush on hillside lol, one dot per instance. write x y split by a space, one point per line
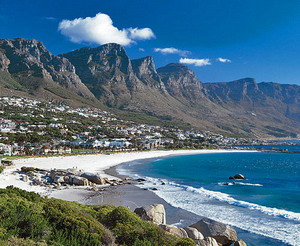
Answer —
27 219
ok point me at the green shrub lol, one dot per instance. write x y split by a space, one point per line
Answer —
74 227
130 229
27 169
23 218
1 169
27 219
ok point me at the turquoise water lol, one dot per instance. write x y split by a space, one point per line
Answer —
267 203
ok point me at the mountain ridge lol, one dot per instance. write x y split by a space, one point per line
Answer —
106 76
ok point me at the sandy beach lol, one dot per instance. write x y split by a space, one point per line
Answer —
89 163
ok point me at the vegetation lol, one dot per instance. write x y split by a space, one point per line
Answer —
28 219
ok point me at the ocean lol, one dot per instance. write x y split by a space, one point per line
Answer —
267 203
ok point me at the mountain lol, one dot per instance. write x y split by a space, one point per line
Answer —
105 76
180 81
30 67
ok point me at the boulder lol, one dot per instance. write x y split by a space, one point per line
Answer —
174 230
25 178
193 233
208 241
94 178
155 213
223 233
238 176
58 179
240 243
75 180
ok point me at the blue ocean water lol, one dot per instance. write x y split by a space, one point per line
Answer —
267 203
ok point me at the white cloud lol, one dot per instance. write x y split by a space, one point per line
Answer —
223 60
100 30
141 49
196 62
172 50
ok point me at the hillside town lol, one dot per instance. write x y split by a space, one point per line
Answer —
31 127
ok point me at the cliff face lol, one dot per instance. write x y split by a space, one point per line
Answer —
107 72
144 69
180 81
26 59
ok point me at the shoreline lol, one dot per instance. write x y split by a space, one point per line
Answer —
175 215
129 196
95 163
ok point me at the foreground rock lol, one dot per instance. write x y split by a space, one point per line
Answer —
56 178
240 243
224 234
193 233
94 178
208 241
238 176
155 213
174 230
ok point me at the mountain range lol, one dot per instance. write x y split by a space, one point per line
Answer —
105 77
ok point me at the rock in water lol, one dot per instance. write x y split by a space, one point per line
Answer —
223 233
155 213
238 176
208 241
174 230
193 233
240 243
94 178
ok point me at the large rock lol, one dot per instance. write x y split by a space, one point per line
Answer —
223 233
74 180
193 233
208 241
58 179
174 230
238 176
155 213
240 243
94 178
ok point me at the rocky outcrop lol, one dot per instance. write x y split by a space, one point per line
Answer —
155 213
223 233
208 241
240 243
94 178
107 71
193 233
144 69
238 176
180 81
57 178
25 59
75 180
174 230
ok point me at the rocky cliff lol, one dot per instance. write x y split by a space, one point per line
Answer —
29 61
180 81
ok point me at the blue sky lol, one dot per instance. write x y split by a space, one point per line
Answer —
261 38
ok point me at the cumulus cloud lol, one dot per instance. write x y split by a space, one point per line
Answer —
100 30
195 62
141 49
172 50
223 60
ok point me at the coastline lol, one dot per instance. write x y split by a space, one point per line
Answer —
129 196
96 163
